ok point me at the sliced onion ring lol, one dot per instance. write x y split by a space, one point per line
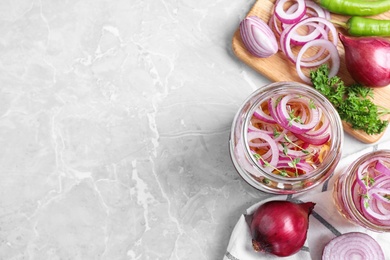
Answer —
296 127
287 17
334 55
272 145
381 167
285 38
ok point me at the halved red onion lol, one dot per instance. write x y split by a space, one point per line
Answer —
353 245
258 37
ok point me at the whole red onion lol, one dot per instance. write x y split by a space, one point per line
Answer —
367 60
280 227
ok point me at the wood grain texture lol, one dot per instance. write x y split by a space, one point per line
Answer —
279 68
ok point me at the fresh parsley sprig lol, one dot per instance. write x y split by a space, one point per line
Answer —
353 103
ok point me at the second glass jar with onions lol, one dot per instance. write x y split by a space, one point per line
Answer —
362 191
286 138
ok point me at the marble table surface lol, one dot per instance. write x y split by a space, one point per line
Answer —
114 121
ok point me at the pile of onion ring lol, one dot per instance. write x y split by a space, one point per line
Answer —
371 190
306 36
289 135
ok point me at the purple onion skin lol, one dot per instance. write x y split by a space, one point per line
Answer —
280 227
367 60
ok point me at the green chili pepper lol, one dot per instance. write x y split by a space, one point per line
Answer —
362 26
355 7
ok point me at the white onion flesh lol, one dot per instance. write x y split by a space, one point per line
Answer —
353 245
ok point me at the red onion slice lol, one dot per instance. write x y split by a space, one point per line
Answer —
295 153
363 174
368 208
291 124
290 17
317 136
320 12
260 114
382 168
252 127
285 38
353 245
301 165
314 139
333 52
272 144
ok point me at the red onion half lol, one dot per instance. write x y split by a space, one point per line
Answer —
353 245
280 227
258 37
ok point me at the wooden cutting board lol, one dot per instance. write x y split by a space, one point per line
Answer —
278 68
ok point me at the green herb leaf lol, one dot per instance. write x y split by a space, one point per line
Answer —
266 181
283 173
257 156
312 105
353 103
276 133
285 149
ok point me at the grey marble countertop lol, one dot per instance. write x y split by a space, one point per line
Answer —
114 121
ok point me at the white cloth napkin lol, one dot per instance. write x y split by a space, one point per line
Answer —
325 222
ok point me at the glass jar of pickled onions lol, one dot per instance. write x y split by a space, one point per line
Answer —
286 138
362 191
